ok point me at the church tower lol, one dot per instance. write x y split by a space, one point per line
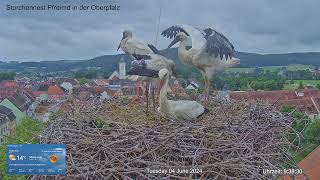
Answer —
122 69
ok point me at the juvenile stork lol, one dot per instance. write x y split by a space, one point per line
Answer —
211 51
132 46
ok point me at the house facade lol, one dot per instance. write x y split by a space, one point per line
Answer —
7 123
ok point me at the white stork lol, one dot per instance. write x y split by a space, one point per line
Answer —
182 109
147 61
211 51
132 46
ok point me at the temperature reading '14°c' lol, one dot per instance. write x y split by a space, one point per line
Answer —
21 158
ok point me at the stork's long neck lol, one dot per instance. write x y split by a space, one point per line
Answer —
183 53
163 102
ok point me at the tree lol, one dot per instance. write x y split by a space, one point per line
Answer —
313 132
270 85
106 75
318 86
7 76
83 81
291 81
301 85
88 74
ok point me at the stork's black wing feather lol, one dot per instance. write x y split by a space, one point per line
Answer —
218 44
140 68
172 31
207 32
154 49
141 57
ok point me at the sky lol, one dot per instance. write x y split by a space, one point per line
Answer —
257 26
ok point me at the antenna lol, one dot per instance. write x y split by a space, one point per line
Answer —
161 4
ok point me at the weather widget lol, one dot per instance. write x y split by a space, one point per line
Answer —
47 159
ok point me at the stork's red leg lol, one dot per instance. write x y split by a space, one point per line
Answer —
206 91
147 97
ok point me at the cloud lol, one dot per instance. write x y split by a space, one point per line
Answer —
266 26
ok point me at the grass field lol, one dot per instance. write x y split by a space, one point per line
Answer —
241 70
304 82
293 67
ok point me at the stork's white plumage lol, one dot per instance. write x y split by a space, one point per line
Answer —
181 110
147 61
132 45
211 51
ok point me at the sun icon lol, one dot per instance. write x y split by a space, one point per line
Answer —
53 158
12 157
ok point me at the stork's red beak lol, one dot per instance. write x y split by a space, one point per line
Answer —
123 36
120 43
161 83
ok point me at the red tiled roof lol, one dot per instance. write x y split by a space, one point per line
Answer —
101 82
55 90
310 166
282 97
8 84
114 78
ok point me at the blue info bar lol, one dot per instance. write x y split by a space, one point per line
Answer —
44 159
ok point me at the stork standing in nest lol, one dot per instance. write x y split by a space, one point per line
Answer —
211 51
147 62
132 46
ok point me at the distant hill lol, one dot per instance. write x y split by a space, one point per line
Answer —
254 60
108 63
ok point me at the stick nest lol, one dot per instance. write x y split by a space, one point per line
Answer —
116 140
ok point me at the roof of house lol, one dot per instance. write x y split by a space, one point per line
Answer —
29 94
191 86
97 90
310 166
21 101
123 82
74 82
305 100
101 82
40 87
114 76
66 86
8 84
7 112
17 112
55 90
6 92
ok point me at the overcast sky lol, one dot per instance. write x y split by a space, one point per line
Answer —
258 26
